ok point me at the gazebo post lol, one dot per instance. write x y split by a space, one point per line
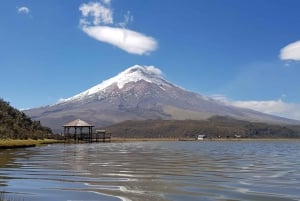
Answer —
68 132
65 133
81 133
91 133
75 135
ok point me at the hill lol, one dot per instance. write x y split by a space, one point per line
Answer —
214 127
17 125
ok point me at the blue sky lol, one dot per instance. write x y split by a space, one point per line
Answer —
244 53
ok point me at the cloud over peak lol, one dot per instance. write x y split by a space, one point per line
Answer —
291 52
98 23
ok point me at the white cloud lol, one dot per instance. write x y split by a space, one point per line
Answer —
291 52
154 70
97 22
128 18
23 10
107 2
98 12
125 39
273 107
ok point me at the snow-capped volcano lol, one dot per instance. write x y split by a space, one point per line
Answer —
134 74
139 93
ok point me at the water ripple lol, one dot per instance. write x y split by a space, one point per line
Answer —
154 171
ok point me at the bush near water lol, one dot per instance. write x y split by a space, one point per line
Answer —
15 124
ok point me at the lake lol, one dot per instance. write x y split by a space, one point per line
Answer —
208 170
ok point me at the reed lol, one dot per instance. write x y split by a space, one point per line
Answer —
3 198
9 143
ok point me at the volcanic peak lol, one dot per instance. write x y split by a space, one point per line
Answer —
135 73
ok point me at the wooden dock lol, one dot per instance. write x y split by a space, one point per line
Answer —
84 132
89 138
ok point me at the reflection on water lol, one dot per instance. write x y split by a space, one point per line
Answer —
154 171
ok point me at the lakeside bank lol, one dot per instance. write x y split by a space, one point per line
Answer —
10 143
120 139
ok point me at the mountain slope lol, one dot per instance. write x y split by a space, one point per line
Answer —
214 127
140 93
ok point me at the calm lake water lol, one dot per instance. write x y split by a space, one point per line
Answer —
241 170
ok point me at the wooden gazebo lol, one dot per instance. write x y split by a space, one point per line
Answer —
81 130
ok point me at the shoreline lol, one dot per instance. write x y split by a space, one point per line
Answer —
120 139
11 144
14 144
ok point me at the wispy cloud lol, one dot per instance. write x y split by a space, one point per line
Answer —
97 22
23 10
95 13
128 18
107 2
273 107
291 52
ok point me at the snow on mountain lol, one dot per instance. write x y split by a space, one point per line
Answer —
140 93
133 74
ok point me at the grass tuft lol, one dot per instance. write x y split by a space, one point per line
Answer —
9 143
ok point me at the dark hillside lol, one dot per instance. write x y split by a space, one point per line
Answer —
17 125
214 127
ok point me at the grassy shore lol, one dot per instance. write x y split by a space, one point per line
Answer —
9 143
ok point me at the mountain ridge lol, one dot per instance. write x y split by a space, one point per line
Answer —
215 128
141 93
132 74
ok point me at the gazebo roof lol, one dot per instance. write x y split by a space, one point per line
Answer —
77 123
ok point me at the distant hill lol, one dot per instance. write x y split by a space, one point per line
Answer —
17 125
141 93
213 127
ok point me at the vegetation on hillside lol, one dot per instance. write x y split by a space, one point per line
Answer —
15 124
215 127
